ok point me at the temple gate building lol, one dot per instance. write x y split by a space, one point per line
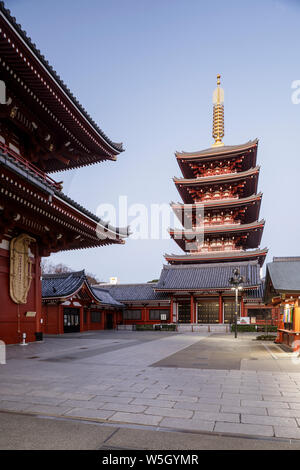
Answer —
43 129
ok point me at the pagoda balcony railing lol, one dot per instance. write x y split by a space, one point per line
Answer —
29 166
215 249
215 197
223 171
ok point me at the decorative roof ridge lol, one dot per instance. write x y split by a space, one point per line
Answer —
212 202
109 286
210 151
282 259
207 229
31 45
64 275
229 253
210 265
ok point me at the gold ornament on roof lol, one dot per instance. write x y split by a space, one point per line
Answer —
218 116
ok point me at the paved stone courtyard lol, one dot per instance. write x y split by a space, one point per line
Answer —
211 383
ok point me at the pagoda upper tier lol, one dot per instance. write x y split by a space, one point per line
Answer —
218 160
40 117
237 184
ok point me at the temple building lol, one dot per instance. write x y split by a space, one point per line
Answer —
282 290
43 129
221 231
70 304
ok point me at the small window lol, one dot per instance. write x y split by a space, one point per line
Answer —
159 314
95 317
132 315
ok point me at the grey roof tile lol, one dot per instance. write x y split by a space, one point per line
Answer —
207 276
135 292
65 284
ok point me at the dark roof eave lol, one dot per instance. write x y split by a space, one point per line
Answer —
26 40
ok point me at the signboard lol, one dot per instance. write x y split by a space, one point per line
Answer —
243 321
30 314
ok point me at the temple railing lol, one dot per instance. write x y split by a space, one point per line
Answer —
29 166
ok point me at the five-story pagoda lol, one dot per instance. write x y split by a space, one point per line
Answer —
221 231
220 200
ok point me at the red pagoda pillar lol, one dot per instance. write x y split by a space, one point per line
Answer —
192 309
220 308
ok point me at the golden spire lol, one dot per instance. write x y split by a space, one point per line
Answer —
218 117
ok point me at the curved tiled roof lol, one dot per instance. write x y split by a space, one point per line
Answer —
135 292
226 149
216 178
36 52
64 285
218 256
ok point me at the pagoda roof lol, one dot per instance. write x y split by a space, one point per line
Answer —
255 230
250 176
254 201
225 151
206 277
218 256
226 177
43 91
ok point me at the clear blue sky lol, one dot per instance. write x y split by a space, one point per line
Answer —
145 71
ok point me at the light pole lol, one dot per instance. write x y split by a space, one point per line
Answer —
236 281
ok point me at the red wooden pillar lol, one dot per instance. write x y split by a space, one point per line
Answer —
220 308
60 319
38 291
144 315
192 308
88 314
81 318
243 312
171 309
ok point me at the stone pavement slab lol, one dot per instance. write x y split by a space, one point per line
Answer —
110 384
247 429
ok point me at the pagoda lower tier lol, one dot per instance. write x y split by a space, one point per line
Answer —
219 237
258 255
218 212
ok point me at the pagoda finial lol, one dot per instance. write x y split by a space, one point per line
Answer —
218 116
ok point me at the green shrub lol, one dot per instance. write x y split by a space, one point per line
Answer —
243 328
168 327
144 327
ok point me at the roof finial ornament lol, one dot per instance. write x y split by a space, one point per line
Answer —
218 116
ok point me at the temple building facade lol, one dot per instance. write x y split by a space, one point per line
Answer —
43 129
282 290
70 305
